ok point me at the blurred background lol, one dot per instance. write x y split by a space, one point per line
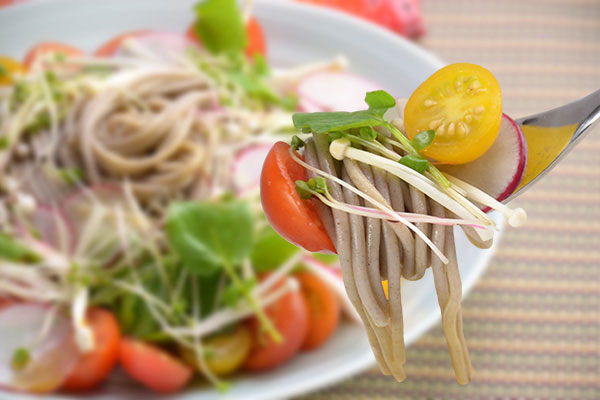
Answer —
532 323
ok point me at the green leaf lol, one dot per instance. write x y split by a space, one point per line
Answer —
333 136
380 101
423 139
220 27
270 250
416 162
208 286
326 258
20 359
321 122
3 71
261 67
205 235
297 143
367 133
70 175
12 250
303 189
233 293
3 142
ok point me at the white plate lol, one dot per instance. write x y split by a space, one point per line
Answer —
296 34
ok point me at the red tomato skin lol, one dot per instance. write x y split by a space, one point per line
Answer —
153 367
109 48
290 317
45 47
293 218
93 368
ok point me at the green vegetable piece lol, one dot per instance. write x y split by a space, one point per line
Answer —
304 190
12 250
3 71
326 258
220 27
423 140
233 293
416 162
333 136
380 101
321 122
320 185
3 142
270 250
71 175
207 235
297 143
368 133
261 67
20 359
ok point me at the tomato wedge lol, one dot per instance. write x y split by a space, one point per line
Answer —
92 368
109 48
292 217
324 310
463 104
44 48
153 367
290 317
254 32
8 67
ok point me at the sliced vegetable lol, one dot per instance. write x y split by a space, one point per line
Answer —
290 316
499 170
8 68
110 47
324 310
225 351
93 367
29 362
463 104
53 228
246 169
334 91
284 208
41 49
153 367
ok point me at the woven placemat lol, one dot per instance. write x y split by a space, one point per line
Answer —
533 321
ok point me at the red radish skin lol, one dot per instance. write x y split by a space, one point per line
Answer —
334 91
159 43
499 170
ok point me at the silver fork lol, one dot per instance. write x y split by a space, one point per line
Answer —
552 134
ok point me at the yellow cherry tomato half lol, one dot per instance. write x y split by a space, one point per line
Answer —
9 67
226 351
462 103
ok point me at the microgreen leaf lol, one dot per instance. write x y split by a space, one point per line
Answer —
333 136
320 184
270 250
12 250
321 122
233 293
207 235
20 359
220 26
261 67
380 101
367 133
304 190
423 139
416 162
70 175
297 143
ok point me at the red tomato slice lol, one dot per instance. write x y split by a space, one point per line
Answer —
292 217
256 38
109 48
92 368
153 367
43 48
290 317
324 310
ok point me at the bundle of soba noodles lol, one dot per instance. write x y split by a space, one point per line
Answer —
388 213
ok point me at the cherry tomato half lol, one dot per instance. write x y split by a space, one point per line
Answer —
44 48
290 317
324 310
9 67
292 217
93 367
463 104
152 366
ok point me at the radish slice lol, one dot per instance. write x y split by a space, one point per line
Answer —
247 167
51 356
335 91
54 227
156 44
499 170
